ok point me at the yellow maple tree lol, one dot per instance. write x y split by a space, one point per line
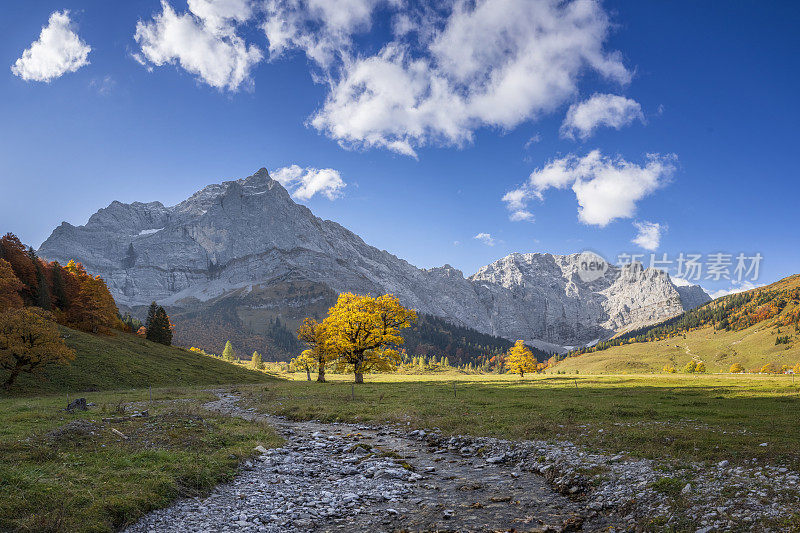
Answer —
521 359
312 333
305 362
736 368
362 332
29 340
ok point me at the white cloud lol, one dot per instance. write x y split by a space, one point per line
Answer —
600 110
492 63
219 14
485 238
741 287
322 29
649 235
57 51
533 140
520 215
202 41
103 85
304 183
606 188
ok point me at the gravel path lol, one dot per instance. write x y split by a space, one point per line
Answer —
344 477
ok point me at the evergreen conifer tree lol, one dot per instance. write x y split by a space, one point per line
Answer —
227 353
59 293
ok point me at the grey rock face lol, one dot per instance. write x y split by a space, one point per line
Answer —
249 232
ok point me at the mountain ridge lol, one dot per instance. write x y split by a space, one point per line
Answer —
248 233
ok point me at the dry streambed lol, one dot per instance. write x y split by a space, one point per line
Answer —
343 477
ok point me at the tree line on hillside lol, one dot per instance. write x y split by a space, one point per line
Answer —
433 336
35 296
74 297
734 312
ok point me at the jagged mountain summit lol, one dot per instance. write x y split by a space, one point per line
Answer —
248 244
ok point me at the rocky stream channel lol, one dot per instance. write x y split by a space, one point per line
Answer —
346 477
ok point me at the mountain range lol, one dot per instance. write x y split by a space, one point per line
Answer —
241 258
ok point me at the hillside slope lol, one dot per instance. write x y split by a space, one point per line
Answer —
753 328
127 361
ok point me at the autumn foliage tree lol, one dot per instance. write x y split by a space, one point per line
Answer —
76 298
521 359
305 362
736 368
362 332
10 287
312 333
30 340
15 253
92 307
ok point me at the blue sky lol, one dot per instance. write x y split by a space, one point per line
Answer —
614 115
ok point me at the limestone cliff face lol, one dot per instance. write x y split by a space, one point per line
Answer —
248 233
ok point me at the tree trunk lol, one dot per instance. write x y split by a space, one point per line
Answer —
308 374
521 374
359 377
11 378
321 374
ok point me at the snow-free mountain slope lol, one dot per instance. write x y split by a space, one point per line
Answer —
241 237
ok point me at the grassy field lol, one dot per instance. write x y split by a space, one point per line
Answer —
70 472
751 347
126 361
695 417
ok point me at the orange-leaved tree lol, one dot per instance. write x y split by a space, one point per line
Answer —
521 359
10 287
13 251
364 331
312 333
92 308
29 340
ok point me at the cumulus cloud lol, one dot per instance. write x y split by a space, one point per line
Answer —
736 288
57 51
202 41
492 63
649 235
322 29
609 110
485 238
304 183
606 188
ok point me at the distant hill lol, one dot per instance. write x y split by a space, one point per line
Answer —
752 328
126 361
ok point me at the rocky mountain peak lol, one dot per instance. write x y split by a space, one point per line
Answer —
241 234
